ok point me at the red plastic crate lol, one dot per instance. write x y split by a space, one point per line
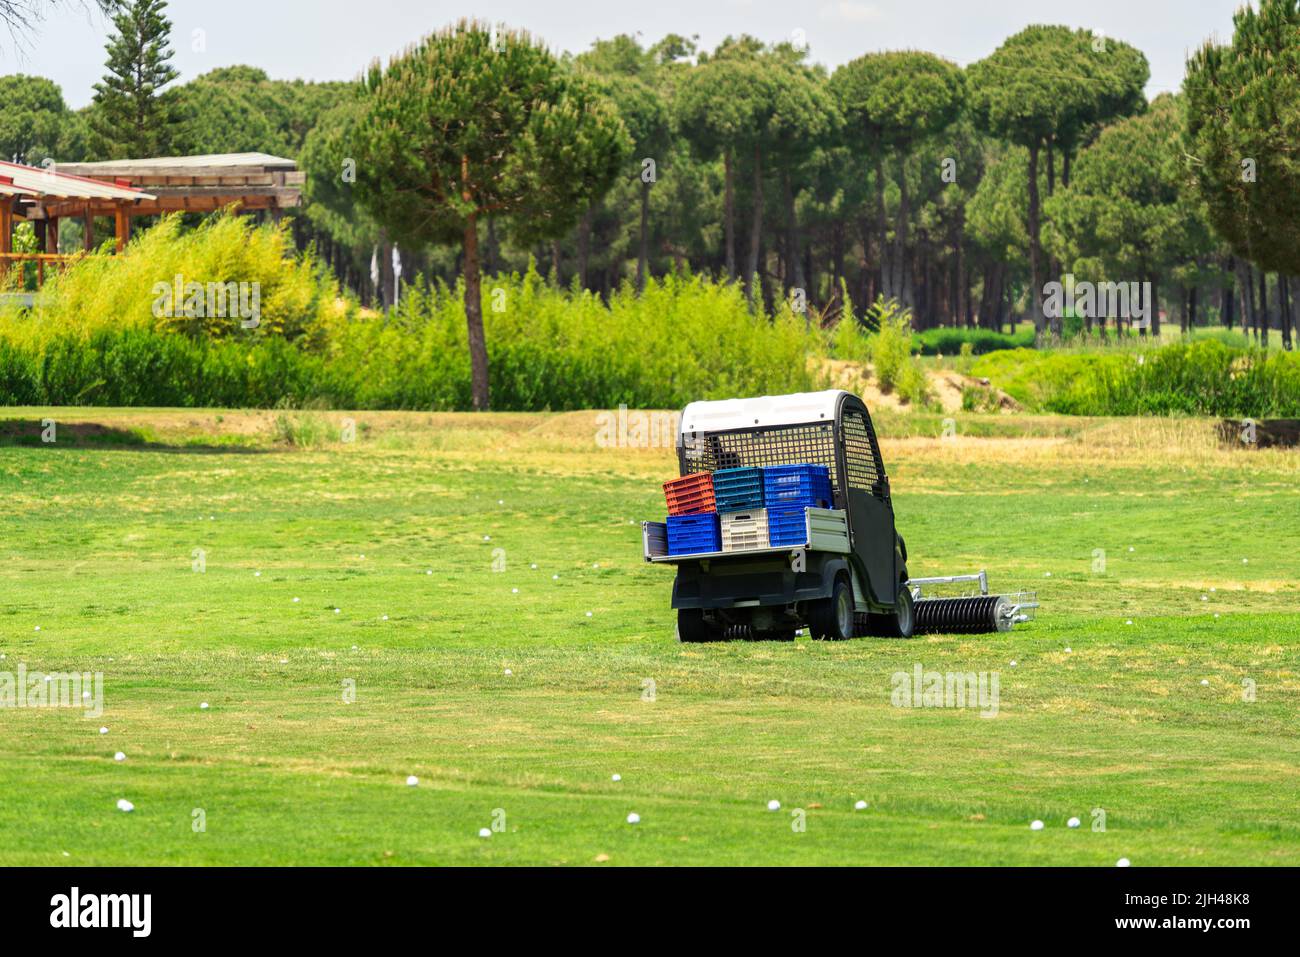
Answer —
690 494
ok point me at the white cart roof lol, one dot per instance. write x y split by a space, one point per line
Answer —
726 415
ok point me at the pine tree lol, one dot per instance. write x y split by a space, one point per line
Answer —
130 118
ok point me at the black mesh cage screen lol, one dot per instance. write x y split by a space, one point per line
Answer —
861 455
788 445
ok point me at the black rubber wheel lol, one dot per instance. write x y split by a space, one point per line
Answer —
831 619
692 628
899 623
902 622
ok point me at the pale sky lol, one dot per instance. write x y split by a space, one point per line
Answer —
336 39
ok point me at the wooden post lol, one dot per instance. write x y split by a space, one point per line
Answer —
89 238
52 235
6 235
122 227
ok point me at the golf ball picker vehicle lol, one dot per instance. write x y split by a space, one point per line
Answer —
846 575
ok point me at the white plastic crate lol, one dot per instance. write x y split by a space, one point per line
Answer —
744 530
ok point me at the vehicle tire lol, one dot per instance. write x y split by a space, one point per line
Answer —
831 619
692 627
902 622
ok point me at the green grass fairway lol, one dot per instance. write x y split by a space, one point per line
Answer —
517 707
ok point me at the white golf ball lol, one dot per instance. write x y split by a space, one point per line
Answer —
1205 682
487 538
774 805
588 614
533 565
38 627
412 781
103 730
1072 822
124 805
428 571
120 756
501 501
1013 664
1122 862
514 591
1129 622
296 600
384 618
555 578
257 574
203 706
860 806
509 672
616 777
634 818
484 832
1035 825
337 610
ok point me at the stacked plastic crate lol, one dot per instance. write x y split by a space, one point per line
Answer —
739 495
692 515
788 492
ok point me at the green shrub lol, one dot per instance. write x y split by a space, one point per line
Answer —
1205 377
295 295
683 339
891 347
949 341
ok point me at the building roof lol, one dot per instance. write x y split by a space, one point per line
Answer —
34 181
211 164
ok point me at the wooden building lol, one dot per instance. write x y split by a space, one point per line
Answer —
125 189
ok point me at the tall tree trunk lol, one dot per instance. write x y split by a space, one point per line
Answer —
903 284
729 211
794 255
555 263
882 230
961 298
1284 309
643 250
1226 296
1035 254
1264 318
584 246
756 227
478 358
1246 289
1053 264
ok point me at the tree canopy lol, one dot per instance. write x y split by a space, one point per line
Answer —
473 122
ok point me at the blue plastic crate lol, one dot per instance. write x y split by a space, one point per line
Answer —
787 526
797 485
738 490
691 534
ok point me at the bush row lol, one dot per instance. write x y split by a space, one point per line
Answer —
1205 377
